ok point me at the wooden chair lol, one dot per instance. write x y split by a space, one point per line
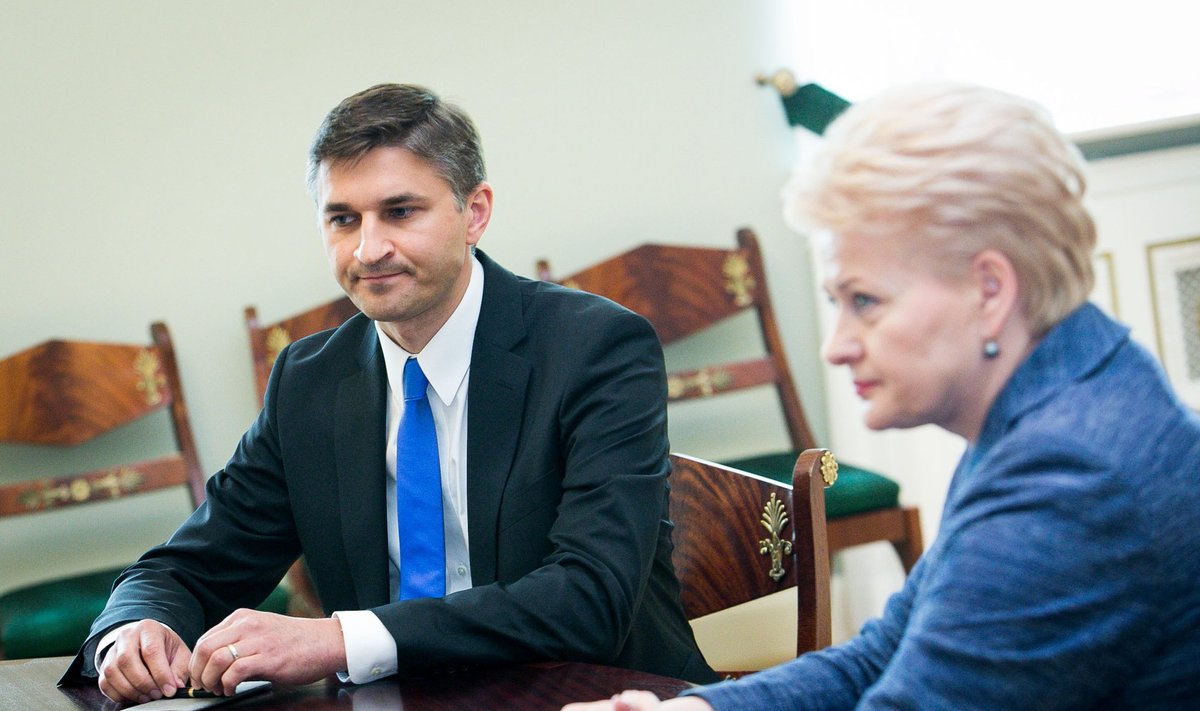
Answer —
682 290
739 537
266 341
64 393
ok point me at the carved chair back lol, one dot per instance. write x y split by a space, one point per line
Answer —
682 290
64 393
267 340
739 537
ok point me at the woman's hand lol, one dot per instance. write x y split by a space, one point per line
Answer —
641 701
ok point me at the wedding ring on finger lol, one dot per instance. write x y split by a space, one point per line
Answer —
232 651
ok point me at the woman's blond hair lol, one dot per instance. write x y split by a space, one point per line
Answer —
957 169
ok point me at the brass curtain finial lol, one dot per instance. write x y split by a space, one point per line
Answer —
774 518
810 105
783 80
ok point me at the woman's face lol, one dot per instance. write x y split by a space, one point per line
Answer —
912 340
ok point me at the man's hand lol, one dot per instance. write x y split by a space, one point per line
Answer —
147 661
641 701
260 645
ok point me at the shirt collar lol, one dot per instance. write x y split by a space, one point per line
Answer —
446 359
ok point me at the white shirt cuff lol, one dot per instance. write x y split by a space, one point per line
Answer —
370 648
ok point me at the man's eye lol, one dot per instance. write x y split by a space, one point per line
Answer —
399 213
341 220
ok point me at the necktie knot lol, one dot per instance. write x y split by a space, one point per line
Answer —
415 381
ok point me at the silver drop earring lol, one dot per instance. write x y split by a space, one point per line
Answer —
991 349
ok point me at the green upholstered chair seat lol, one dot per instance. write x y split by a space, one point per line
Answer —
52 618
857 490
277 601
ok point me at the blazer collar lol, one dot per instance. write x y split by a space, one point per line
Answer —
359 439
1069 352
495 406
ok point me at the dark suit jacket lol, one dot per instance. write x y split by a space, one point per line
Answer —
567 497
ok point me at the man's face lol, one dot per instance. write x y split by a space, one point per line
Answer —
397 241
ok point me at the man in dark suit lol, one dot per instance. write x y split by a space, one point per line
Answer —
550 418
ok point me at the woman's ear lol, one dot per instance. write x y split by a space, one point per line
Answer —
996 281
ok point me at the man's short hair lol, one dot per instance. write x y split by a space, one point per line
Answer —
401 116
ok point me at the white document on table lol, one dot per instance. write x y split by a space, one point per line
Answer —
185 704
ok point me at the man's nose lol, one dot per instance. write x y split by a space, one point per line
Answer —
373 242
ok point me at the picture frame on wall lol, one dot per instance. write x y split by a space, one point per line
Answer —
1175 293
1104 291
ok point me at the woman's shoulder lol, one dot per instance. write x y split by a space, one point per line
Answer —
1110 455
1122 412
1091 389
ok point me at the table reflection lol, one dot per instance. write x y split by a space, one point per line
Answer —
523 687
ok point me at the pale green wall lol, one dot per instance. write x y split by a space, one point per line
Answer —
154 154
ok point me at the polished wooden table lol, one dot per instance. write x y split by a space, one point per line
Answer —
30 684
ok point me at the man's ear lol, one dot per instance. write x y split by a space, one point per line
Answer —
996 280
479 209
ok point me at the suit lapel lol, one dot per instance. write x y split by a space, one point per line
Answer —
495 406
359 439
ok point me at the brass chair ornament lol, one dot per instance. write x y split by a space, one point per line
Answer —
277 339
775 518
152 380
705 382
740 282
52 493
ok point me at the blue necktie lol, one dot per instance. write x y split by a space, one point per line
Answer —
419 494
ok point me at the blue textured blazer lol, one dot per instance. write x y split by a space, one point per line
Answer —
1066 571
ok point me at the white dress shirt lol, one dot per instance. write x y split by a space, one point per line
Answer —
446 362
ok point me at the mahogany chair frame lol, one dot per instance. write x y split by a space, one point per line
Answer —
739 537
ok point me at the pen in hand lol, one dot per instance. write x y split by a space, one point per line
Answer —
191 692
246 687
